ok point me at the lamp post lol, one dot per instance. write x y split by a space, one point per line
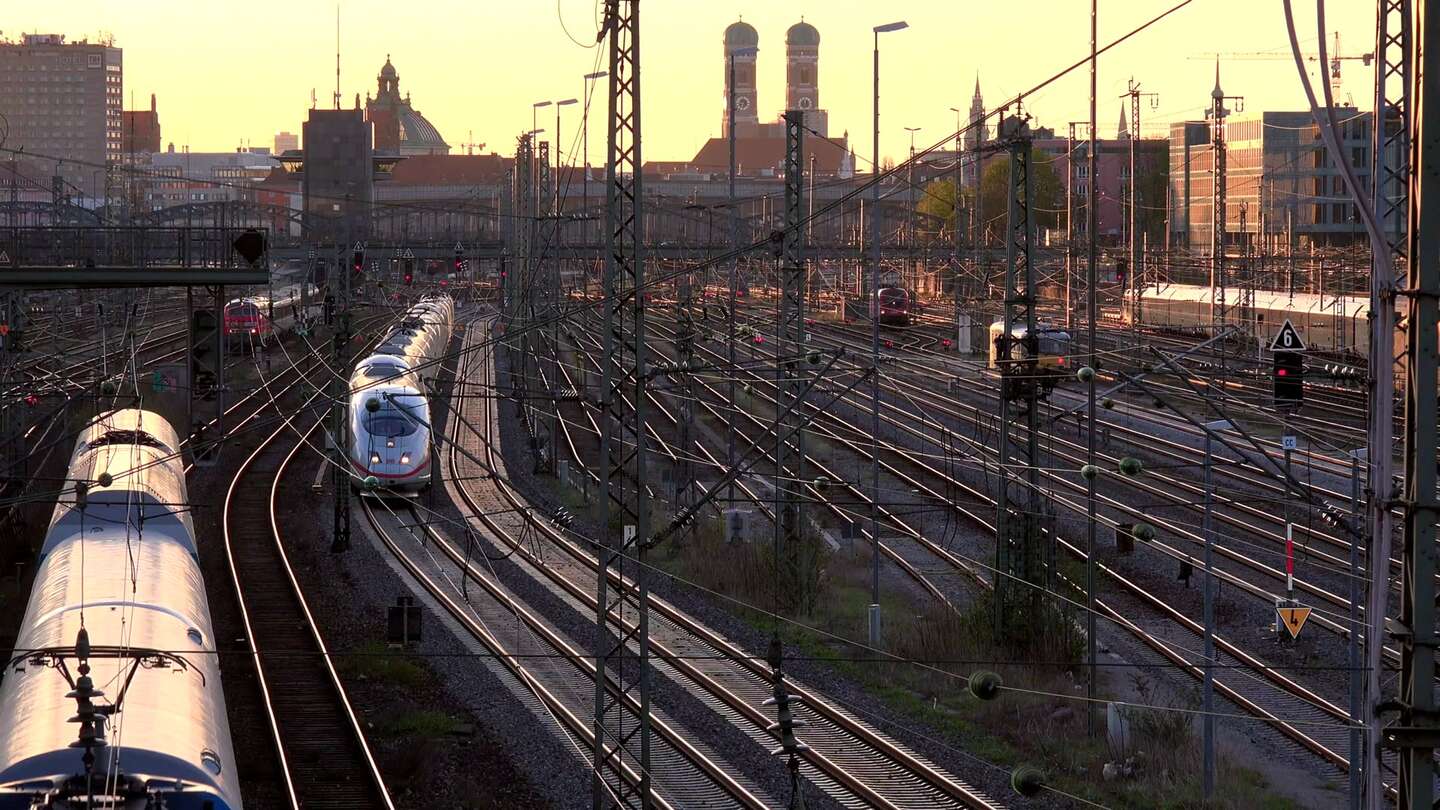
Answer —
535 150
910 181
955 211
585 136
558 162
874 308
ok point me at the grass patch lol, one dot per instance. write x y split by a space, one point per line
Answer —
375 661
421 723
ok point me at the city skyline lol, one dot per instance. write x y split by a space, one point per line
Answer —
213 105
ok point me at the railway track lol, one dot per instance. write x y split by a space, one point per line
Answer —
846 758
322 750
1298 713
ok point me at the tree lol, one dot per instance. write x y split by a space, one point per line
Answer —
938 201
1153 186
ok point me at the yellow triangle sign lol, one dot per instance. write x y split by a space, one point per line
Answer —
1293 617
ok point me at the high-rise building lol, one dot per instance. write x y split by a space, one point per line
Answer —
1283 187
285 141
62 102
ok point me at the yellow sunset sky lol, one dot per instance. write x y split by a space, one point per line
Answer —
227 73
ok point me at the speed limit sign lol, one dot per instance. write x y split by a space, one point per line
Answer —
1287 339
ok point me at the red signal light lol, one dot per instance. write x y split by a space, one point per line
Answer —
946 344
1282 372
32 400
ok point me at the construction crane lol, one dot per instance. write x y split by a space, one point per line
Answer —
1335 58
470 145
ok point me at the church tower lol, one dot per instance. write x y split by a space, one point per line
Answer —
383 110
802 67
975 137
740 34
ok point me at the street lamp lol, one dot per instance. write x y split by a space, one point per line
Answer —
875 345
910 180
558 161
585 131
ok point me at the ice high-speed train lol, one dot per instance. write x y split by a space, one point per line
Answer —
388 435
119 560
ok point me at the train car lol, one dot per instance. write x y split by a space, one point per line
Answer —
894 306
1049 349
387 426
118 585
1333 324
248 321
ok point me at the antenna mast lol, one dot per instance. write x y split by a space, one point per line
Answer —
337 56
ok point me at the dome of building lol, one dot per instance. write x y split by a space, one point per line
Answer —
802 34
419 136
741 35
388 72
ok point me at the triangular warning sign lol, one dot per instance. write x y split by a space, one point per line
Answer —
1287 339
1293 617
358 247
409 254
459 247
4 257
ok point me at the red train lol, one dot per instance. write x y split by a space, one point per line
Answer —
894 306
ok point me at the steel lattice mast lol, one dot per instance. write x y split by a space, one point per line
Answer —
1389 200
620 747
789 345
1017 525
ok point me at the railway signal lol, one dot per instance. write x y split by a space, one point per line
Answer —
1289 379
357 260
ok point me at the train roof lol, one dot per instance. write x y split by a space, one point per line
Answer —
138 451
1352 306
1018 329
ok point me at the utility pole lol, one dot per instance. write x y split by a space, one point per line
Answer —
790 344
1390 201
1137 254
1415 732
1092 312
1018 505
1219 312
734 266
955 229
615 744
340 389
548 291
1070 170
873 308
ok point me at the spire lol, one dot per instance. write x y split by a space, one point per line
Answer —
977 87
1217 93
1124 131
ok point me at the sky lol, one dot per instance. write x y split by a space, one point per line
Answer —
228 74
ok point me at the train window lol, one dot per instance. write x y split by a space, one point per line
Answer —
382 371
140 437
389 424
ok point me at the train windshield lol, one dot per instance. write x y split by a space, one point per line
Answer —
389 424
1053 342
894 298
243 311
